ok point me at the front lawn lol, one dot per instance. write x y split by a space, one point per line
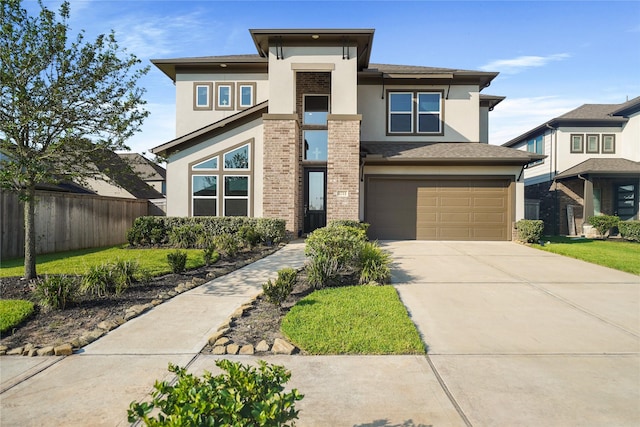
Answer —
153 261
352 320
621 255
14 312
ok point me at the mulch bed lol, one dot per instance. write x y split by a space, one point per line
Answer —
61 326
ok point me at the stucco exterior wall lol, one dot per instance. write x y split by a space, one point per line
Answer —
188 119
630 139
282 99
461 113
178 196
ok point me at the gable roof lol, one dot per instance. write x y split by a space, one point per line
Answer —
122 175
602 115
212 129
144 168
602 167
444 152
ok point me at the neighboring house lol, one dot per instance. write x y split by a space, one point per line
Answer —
592 166
150 172
309 131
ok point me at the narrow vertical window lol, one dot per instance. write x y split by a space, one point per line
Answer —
400 112
608 144
577 143
316 110
246 95
593 143
202 96
429 113
205 195
224 96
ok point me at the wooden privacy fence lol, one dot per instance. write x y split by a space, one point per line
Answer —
67 221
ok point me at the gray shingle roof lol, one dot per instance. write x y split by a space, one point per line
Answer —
144 168
447 152
602 167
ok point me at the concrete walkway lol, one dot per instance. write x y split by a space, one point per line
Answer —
516 336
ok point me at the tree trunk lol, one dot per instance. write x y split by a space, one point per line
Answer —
30 233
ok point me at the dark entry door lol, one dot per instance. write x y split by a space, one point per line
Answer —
315 204
626 201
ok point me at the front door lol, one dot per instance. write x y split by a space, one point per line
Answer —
315 204
626 201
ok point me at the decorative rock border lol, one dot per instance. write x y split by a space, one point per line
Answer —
221 344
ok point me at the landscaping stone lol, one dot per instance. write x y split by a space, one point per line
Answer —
32 352
233 349
247 349
27 348
238 313
280 346
156 302
108 325
219 350
15 351
222 341
63 350
197 281
216 335
172 293
262 346
46 351
224 326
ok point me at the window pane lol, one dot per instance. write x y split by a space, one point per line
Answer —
429 123
315 145
237 159
224 95
316 109
207 164
400 102
400 123
429 102
608 143
539 145
236 207
203 96
236 186
204 185
204 207
246 95
592 144
576 143
316 191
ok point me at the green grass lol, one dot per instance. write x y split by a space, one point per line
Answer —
13 312
621 255
352 320
154 261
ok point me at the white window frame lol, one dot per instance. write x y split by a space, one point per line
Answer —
418 113
391 113
200 169
592 137
612 138
214 198
252 87
225 197
224 165
196 87
579 137
230 86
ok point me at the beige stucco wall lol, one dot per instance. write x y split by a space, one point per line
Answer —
178 197
630 140
104 187
467 171
282 87
188 119
461 113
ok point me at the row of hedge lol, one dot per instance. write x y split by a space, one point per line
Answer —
198 231
605 224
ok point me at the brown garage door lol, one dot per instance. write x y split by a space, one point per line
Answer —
438 209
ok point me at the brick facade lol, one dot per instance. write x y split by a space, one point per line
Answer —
343 170
281 191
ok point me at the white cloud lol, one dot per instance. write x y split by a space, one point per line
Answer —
513 117
521 63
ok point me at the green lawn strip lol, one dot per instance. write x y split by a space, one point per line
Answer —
154 261
13 312
352 320
620 255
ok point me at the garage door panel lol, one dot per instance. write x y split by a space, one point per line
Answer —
434 209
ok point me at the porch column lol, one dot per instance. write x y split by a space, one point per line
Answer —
281 170
343 167
587 199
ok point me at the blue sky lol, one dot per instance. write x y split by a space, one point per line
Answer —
553 56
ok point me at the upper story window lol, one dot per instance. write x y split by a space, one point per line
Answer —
577 143
210 164
237 159
536 145
246 95
224 96
315 145
593 144
414 113
316 110
202 96
608 144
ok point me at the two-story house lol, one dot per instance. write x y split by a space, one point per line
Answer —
592 166
308 130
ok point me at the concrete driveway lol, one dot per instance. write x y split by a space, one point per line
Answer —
518 336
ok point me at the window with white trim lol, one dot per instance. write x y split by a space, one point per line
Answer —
236 195
577 143
202 96
593 144
413 112
204 190
608 144
224 96
246 95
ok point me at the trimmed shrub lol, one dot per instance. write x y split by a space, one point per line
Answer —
604 223
227 245
349 223
185 236
242 396
630 230
374 264
177 261
13 312
248 235
278 291
530 230
210 255
56 292
156 230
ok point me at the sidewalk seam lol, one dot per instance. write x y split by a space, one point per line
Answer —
3 390
447 392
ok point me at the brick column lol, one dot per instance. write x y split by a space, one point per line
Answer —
343 167
281 193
